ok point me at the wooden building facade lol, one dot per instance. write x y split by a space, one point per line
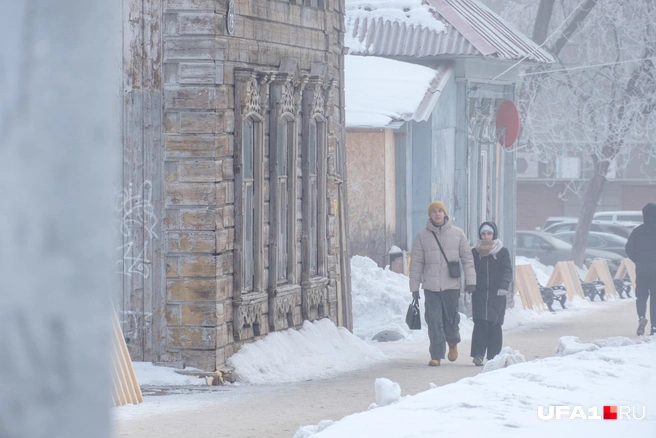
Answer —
230 207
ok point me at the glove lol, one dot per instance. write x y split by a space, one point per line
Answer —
415 295
502 292
470 288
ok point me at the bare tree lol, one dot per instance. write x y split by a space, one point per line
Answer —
598 103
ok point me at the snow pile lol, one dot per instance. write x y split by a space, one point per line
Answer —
387 392
506 357
505 403
571 345
380 300
149 374
308 431
318 350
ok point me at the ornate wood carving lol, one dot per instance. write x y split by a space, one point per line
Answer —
315 300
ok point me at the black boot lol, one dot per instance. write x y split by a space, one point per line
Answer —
642 323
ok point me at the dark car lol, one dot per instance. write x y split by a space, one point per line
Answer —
549 250
598 226
603 241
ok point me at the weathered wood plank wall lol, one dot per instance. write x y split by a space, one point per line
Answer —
178 202
138 203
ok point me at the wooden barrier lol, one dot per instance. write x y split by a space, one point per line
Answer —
599 270
565 274
627 267
529 291
125 388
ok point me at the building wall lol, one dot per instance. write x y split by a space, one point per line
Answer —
371 192
536 200
636 196
182 108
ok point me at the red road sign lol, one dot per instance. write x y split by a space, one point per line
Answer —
507 123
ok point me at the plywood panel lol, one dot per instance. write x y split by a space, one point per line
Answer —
627 267
565 274
599 270
529 291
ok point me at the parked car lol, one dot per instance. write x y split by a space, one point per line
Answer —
549 250
599 226
623 217
556 219
596 240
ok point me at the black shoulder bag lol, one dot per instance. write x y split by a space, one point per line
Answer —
454 267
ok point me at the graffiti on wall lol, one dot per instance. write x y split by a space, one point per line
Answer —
136 214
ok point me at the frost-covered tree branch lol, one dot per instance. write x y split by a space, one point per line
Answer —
599 102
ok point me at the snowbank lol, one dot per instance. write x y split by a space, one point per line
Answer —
505 402
318 350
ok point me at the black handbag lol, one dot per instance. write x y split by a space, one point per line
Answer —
413 317
454 267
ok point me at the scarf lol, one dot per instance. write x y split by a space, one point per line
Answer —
489 248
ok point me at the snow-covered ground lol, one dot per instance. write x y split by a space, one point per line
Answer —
505 401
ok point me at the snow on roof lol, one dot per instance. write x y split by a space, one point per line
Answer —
434 28
380 91
408 12
405 21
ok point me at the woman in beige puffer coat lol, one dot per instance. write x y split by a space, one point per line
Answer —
429 268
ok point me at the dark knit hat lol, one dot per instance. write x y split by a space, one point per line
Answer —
495 230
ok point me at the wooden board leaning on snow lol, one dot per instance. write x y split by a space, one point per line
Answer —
125 388
627 267
565 274
529 291
599 270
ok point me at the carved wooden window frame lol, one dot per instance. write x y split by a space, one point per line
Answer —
314 183
251 93
286 92
286 199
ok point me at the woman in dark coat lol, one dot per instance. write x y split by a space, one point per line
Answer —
493 277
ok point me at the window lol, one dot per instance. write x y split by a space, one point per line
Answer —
595 242
629 218
562 228
534 242
248 135
603 217
251 175
569 238
286 198
313 197
314 202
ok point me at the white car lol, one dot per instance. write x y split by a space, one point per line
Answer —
621 217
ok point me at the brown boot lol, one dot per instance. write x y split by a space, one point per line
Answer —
453 352
434 363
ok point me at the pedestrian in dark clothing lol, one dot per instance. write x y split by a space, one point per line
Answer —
435 247
641 249
493 277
